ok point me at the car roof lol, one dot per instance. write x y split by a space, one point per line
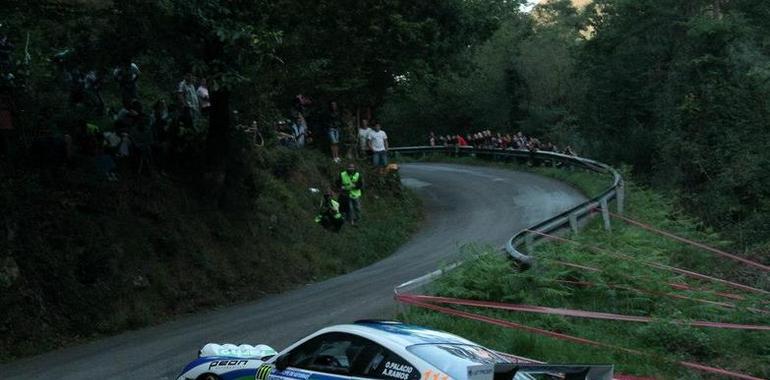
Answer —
400 334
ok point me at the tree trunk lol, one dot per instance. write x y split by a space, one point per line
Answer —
217 140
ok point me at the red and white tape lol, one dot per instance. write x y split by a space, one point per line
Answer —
693 243
409 299
575 313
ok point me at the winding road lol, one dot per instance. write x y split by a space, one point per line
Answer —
463 204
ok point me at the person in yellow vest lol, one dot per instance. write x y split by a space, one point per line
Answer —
352 184
329 215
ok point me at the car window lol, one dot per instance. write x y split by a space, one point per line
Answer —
351 355
324 353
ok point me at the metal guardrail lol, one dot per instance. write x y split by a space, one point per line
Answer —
523 241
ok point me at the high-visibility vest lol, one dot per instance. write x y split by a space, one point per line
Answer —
349 184
336 209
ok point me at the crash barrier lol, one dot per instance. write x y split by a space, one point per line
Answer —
572 218
433 303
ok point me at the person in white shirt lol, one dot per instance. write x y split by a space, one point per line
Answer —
188 100
363 138
203 97
378 143
299 130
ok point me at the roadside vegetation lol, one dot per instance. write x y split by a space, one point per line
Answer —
129 193
91 257
624 286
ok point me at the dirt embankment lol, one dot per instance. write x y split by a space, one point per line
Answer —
81 257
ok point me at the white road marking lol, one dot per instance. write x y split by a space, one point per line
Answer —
414 183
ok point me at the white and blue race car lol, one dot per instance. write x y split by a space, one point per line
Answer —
376 350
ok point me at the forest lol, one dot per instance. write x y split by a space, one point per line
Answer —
674 92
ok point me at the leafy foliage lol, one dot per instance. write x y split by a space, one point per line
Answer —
676 89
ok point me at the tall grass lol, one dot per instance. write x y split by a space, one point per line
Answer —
625 286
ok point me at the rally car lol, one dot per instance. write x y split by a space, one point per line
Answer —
376 350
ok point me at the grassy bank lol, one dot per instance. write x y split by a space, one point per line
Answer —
81 257
624 286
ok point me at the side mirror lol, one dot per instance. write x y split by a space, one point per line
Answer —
282 362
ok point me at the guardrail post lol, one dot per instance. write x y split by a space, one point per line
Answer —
605 214
401 310
529 241
573 224
620 194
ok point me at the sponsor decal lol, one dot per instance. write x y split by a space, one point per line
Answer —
481 372
263 371
227 363
397 371
290 374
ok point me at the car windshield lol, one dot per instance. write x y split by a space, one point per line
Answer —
454 359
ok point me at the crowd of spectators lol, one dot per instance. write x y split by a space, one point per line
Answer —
506 141
131 137
146 141
348 135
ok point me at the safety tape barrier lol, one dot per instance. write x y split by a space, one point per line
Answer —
409 299
681 271
672 285
569 217
691 242
577 313
733 296
672 295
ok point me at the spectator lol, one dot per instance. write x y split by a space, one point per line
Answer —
378 143
76 81
128 116
142 139
533 146
128 121
432 139
285 135
93 86
160 125
127 76
188 101
299 130
6 48
460 141
159 120
350 134
105 164
203 97
363 139
352 185
329 215
300 104
333 128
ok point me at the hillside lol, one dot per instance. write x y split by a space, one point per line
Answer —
81 257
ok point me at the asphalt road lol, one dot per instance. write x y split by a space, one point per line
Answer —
463 204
